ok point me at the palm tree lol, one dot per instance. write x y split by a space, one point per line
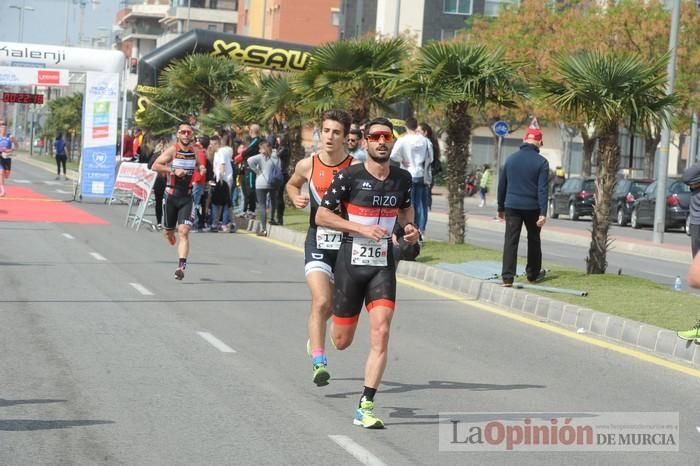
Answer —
274 99
353 74
200 81
608 89
460 78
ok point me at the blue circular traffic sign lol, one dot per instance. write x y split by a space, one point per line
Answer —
500 128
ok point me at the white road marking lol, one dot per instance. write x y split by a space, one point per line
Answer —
68 236
22 181
697 428
60 191
216 343
98 256
141 289
360 453
53 183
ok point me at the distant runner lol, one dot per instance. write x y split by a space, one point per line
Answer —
179 163
7 147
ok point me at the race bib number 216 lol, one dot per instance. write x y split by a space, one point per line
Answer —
369 252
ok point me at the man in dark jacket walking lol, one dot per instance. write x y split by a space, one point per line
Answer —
691 177
522 198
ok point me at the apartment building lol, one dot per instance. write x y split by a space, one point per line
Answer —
425 20
186 15
309 22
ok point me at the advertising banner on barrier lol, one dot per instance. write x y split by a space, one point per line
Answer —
127 176
99 134
18 76
143 186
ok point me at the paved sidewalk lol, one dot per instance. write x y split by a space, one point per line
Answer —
623 244
583 321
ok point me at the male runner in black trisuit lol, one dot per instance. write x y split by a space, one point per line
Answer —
372 196
179 163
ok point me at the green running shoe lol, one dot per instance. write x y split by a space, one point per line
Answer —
692 334
321 375
364 416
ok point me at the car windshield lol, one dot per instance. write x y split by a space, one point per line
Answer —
638 187
588 186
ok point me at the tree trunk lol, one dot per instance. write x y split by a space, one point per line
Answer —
459 125
588 147
651 142
607 165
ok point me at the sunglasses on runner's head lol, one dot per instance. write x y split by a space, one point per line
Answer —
185 132
374 137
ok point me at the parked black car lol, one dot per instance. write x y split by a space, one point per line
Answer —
677 199
625 193
575 198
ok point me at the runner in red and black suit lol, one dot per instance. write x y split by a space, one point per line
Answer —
179 162
372 196
321 245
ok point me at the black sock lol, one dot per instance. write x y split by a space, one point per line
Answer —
368 394
183 263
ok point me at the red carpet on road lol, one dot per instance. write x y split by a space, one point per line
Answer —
25 205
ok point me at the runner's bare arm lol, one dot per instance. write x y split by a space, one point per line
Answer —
301 174
327 218
163 161
405 219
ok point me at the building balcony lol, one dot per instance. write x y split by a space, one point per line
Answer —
141 31
145 11
204 15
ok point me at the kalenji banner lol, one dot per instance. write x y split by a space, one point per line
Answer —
51 56
19 76
99 134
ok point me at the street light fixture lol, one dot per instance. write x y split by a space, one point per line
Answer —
21 9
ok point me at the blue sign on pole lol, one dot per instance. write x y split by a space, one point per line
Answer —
500 128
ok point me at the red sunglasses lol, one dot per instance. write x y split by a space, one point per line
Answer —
375 137
185 132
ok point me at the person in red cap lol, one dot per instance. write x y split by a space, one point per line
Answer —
522 198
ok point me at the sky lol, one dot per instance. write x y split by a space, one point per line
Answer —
47 23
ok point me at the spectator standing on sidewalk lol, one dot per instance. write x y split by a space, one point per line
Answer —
252 149
484 185
221 198
282 146
522 198
199 183
267 168
436 167
691 177
128 147
415 153
59 146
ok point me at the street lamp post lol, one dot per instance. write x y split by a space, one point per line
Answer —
662 163
21 9
20 35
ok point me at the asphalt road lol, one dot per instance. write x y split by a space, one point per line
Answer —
571 255
105 359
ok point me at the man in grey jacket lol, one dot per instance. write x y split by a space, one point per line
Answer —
691 177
